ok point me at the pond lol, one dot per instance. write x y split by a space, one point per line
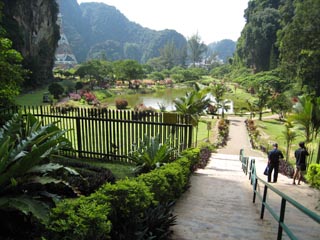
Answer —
163 97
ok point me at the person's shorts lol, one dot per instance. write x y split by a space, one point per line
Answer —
299 168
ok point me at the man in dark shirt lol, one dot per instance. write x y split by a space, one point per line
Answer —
300 154
274 157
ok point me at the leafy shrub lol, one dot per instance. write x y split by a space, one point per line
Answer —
90 177
158 184
82 219
313 175
223 132
136 208
150 154
26 179
175 175
121 104
253 132
56 90
193 155
205 154
129 199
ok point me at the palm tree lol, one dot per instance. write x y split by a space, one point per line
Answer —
193 104
218 90
307 115
289 135
303 115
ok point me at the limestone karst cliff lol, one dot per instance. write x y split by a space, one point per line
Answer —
31 25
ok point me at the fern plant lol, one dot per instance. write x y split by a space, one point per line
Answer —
151 153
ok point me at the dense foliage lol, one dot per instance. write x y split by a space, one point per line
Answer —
28 185
284 35
139 208
313 175
11 71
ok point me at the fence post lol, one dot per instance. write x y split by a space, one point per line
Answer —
190 137
281 219
78 135
265 191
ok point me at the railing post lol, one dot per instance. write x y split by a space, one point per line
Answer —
247 162
255 190
265 191
250 169
281 219
241 154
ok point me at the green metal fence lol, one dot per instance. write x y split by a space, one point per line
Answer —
280 218
110 134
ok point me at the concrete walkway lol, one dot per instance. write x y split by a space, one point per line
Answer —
218 204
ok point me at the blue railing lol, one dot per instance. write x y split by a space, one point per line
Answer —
253 177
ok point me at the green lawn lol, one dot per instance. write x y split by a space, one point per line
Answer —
272 131
33 98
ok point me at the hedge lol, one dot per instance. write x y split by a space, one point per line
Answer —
117 210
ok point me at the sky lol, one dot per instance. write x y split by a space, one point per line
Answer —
213 20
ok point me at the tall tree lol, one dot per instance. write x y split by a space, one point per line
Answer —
11 71
300 46
196 49
263 95
127 70
171 55
257 44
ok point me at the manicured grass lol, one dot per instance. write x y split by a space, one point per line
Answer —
203 131
272 130
239 98
33 98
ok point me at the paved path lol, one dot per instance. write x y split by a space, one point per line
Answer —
218 204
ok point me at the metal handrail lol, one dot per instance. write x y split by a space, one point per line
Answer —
253 177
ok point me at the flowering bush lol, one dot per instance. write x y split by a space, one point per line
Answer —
74 96
223 127
89 97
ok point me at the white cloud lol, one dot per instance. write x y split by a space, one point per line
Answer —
214 20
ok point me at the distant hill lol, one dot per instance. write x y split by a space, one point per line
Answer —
97 30
224 49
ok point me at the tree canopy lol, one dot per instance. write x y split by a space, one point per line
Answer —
11 71
196 49
300 46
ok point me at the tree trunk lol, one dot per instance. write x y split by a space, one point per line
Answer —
318 155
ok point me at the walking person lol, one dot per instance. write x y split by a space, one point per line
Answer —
274 157
300 154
